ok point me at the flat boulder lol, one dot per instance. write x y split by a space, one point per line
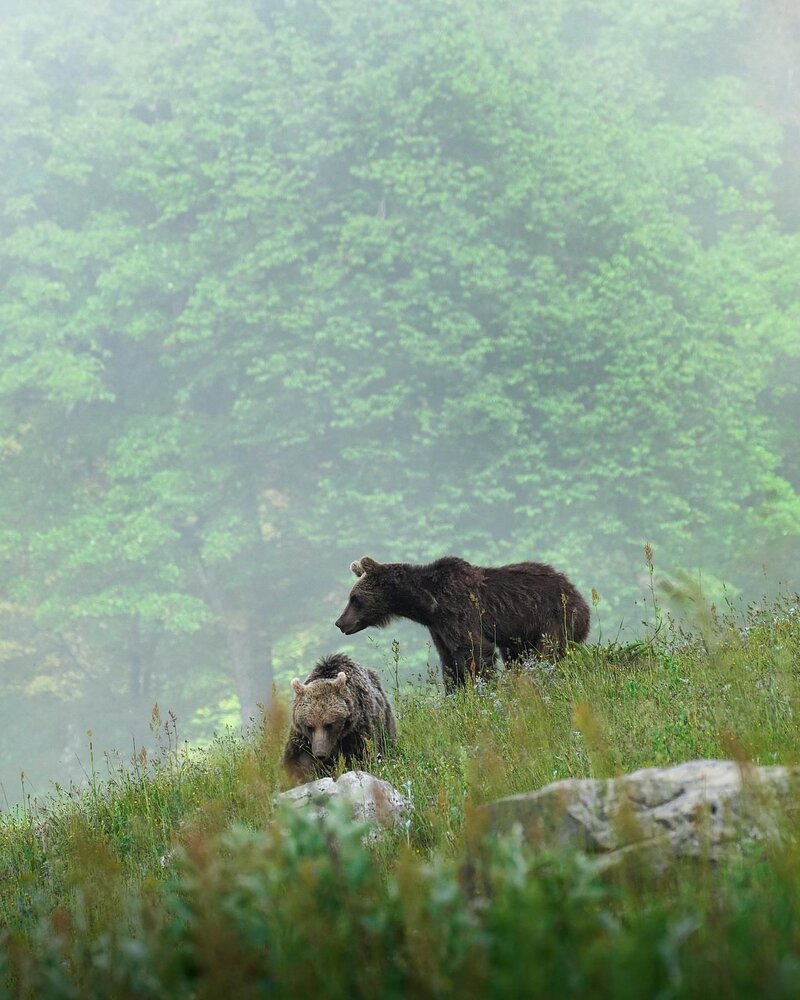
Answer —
371 799
698 809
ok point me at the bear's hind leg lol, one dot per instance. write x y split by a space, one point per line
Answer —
517 650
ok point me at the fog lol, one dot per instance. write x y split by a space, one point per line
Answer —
284 284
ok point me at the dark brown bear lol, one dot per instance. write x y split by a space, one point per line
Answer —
337 711
470 610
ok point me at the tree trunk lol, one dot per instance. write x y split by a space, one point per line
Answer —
251 658
249 650
134 660
141 650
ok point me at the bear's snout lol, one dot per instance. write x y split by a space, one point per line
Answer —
321 746
347 623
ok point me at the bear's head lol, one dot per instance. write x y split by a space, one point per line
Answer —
321 713
370 598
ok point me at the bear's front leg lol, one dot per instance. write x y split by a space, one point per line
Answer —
453 666
454 674
477 657
469 659
301 765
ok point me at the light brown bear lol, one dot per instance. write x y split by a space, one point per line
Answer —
338 710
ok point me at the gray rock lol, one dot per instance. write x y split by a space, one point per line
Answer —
697 809
371 799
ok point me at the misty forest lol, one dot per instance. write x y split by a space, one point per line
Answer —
284 283
290 285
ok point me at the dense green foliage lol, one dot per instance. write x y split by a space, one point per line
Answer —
304 912
179 879
283 282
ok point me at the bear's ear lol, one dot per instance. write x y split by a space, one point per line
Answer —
341 680
355 567
297 686
368 565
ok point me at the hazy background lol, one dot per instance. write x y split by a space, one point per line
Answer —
285 283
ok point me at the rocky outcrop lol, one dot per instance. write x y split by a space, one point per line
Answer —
697 809
371 799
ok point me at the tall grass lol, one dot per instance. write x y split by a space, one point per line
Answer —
176 876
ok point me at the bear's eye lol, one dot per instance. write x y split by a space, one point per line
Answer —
356 602
328 726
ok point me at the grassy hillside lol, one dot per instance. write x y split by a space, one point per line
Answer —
174 877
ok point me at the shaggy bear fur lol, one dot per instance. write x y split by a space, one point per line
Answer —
470 610
340 707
